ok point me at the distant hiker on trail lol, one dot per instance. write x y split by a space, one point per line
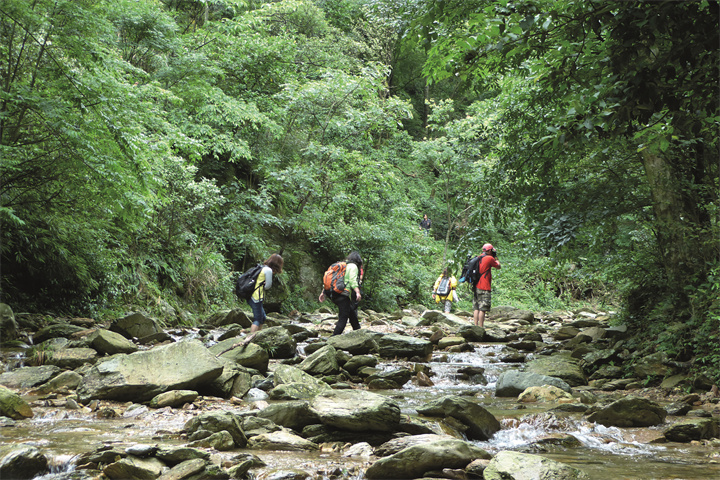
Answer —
445 290
425 224
341 283
482 296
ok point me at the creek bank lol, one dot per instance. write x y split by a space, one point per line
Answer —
274 395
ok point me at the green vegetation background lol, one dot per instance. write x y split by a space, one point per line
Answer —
152 150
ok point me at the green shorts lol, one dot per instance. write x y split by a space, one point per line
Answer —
482 300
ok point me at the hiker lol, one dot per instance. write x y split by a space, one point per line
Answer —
349 296
425 224
445 290
482 295
274 264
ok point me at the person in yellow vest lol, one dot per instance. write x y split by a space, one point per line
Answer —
445 290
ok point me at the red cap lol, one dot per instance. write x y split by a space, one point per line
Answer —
487 247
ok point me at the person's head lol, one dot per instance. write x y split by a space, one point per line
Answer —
488 249
275 262
445 272
355 258
425 216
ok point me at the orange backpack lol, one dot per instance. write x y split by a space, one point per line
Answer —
334 279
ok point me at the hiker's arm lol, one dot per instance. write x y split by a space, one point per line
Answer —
321 298
268 277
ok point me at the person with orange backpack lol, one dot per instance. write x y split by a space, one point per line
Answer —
341 283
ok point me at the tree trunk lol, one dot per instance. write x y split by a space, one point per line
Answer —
672 222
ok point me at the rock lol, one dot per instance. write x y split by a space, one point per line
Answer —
234 381
393 446
229 317
629 412
176 366
356 342
106 342
277 342
72 358
55 330
545 393
321 362
221 441
472 333
28 377
21 462
560 365
281 440
214 422
394 345
249 356
508 465
136 325
393 378
296 384
173 398
434 317
13 406
414 461
356 410
294 414
512 383
68 380
8 325
693 429
653 365
356 362
135 468
176 455
447 342
565 333
481 424
184 470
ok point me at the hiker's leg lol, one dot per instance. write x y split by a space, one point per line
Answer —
448 306
481 318
476 307
258 315
344 310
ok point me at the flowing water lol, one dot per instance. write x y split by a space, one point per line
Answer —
603 453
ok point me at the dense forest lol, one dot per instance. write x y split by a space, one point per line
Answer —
151 150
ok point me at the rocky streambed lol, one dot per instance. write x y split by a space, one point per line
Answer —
416 394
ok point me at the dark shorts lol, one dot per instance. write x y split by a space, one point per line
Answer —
482 300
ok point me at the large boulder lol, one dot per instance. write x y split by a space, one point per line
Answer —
72 358
321 362
512 383
357 411
281 440
630 412
277 341
139 376
481 424
561 366
12 405
56 330
106 342
693 429
508 465
136 325
293 414
433 317
215 422
8 325
229 317
248 355
414 461
135 468
356 342
234 381
395 345
291 379
28 377
21 462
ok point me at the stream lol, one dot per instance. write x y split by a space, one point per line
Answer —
603 452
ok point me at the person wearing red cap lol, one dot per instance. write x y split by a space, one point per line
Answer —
482 296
